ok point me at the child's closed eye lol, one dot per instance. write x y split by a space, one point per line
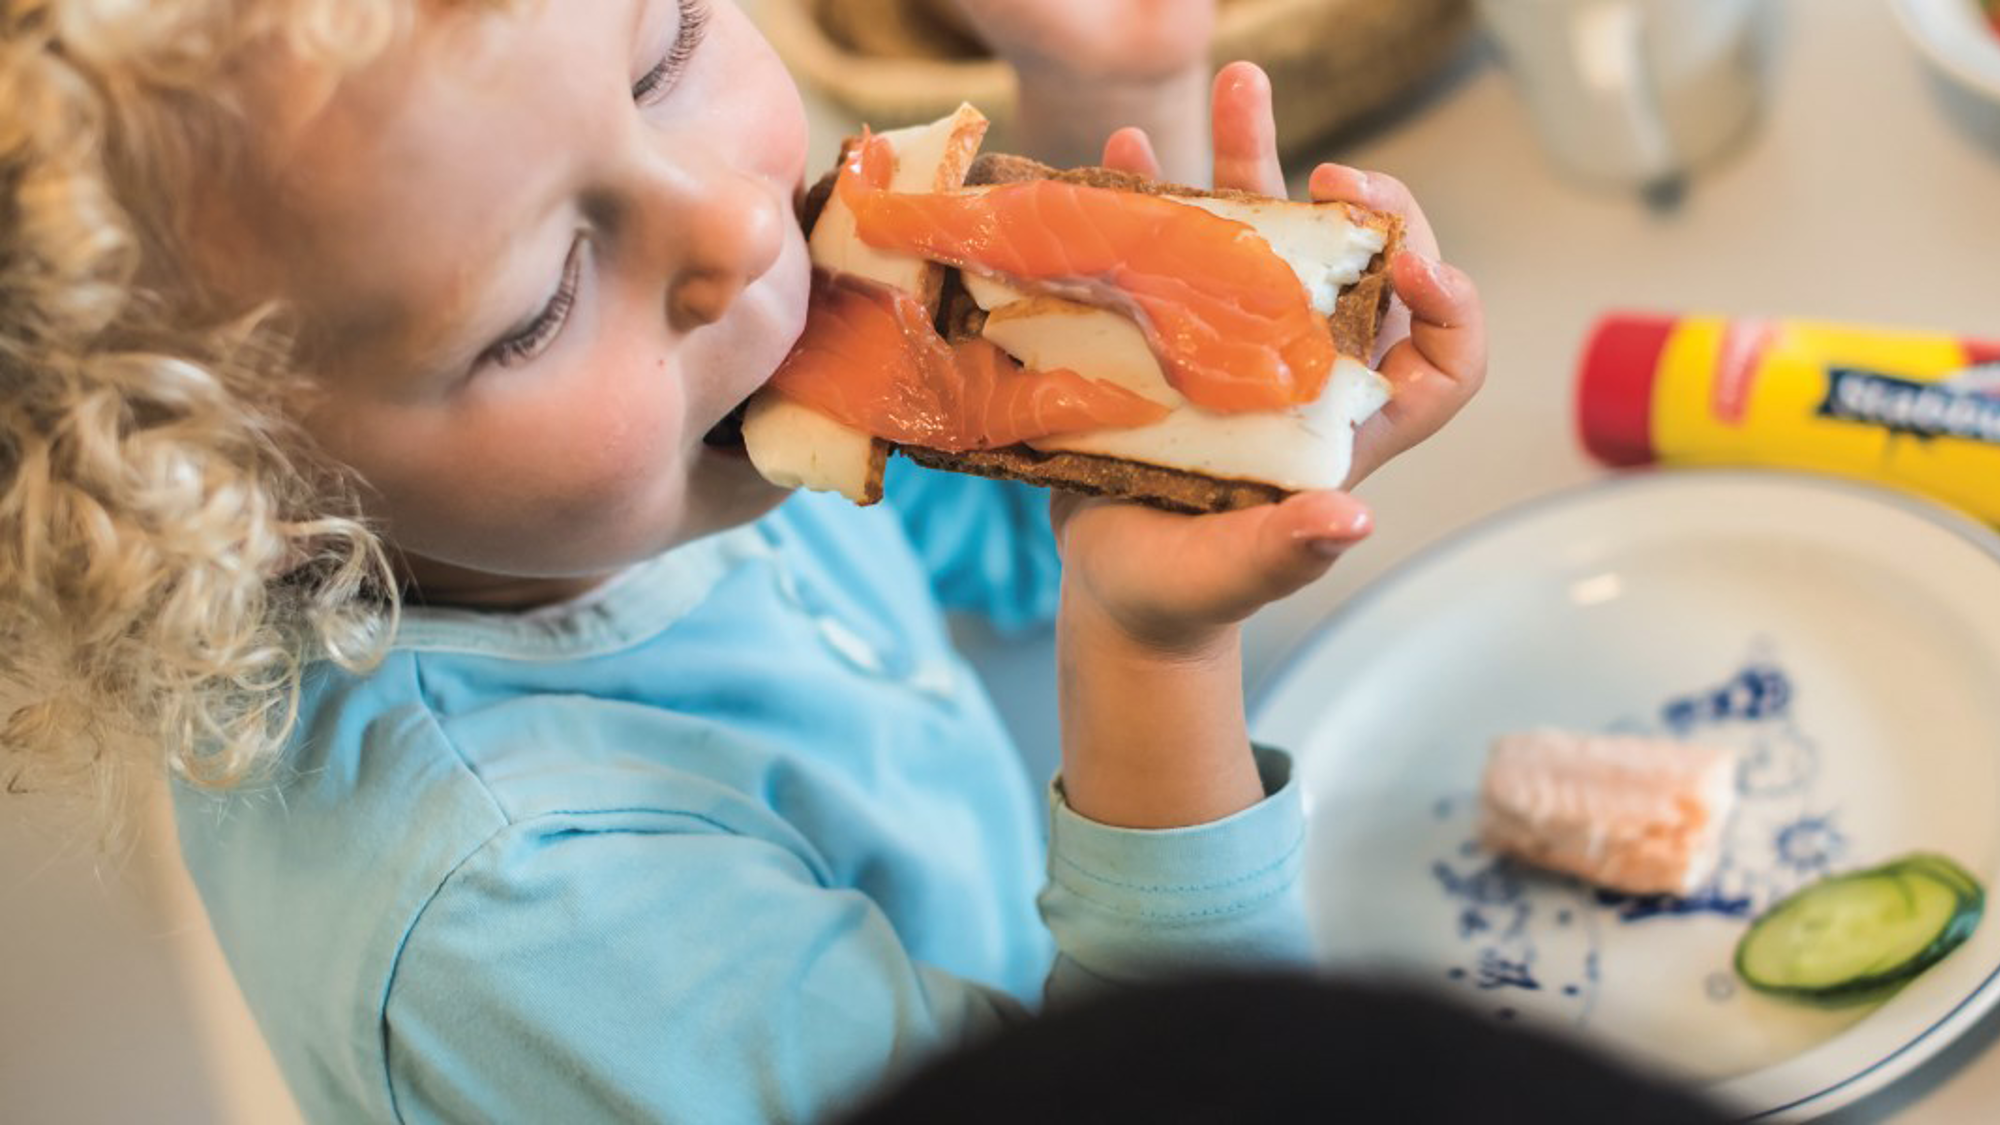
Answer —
655 83
526 343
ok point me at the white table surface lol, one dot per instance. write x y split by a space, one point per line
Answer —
1856 199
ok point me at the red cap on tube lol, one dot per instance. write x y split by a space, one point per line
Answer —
1614 391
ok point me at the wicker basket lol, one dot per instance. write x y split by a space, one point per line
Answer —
1331 61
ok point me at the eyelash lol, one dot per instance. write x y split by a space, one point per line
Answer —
694 24
535 339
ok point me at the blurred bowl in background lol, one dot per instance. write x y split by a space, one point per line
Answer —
1333 63
1963 52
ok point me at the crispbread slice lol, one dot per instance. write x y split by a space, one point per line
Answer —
1354 323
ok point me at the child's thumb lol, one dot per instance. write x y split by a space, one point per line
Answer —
1303 536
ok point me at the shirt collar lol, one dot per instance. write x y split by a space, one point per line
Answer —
635 605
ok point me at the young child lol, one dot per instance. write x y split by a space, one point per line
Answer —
665 798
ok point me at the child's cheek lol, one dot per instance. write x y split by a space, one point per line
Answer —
634 431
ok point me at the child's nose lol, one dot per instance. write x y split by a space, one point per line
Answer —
735 236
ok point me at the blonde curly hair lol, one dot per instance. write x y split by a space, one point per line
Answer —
173 551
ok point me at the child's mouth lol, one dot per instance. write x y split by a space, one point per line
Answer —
726 436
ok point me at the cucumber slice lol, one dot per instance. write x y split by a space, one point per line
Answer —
1972 896
1844 930
1945 870
1850 937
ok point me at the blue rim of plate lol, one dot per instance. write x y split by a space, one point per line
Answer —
1946 519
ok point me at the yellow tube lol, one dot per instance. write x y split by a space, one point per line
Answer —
1916 410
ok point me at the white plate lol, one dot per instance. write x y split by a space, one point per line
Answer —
1963 53
1846 640
1954 36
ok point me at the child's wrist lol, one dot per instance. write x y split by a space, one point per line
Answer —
1086 627
1152 738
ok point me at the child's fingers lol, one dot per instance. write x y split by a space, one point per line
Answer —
1447 321
1303 536
1381 193
1436 371
1240 562
1228 566
1224 567
1131 150
1246 136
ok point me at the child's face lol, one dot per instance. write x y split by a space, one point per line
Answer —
539 258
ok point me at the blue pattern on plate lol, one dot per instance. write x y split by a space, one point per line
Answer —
1535 937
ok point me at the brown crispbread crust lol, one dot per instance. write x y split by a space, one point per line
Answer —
878 467
1357 314
1356 318
1175 490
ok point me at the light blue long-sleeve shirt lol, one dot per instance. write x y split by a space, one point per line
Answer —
726 840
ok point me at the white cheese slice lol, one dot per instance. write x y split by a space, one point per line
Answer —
794 446
1307 447
1047 333
988 293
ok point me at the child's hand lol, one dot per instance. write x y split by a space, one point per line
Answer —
1097 40
1176 585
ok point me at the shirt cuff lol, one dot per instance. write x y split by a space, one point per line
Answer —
1205 871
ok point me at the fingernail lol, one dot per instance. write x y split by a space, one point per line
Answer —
1337 535
1434 273
1229 82
1354 175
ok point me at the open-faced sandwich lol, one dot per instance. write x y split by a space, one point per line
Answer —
1089 330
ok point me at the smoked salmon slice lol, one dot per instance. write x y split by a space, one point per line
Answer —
870 359
1231 323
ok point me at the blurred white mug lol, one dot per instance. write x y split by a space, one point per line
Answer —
1634 93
